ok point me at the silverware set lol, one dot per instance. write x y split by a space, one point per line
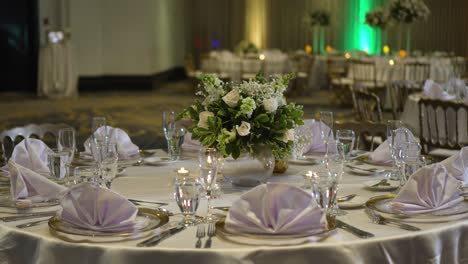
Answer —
155 240
200 234
378 219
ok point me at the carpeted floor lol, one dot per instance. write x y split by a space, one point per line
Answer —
137 112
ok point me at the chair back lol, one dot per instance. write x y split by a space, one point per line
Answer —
301 64
460 67
367 105
399 91
364 72
275 66
443 124
250 67
45 132
337 67
366 132
417 72
209 64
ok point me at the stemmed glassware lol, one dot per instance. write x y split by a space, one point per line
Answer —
411 158
106 156
99 122
174 135
326 125
334 162
187 195
66 143
302 137
347 137
392 127
208 162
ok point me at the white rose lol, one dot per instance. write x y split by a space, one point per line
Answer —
288 136
243 129
203 118
270 104
281 101
232 98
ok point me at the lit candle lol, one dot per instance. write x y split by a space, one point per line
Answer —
391 62
328 48
261 57
308 48
402 54
182 171
386 49
347 55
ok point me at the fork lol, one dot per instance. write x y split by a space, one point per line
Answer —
200 234
211 233
378 219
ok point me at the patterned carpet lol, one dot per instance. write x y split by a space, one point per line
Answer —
137 112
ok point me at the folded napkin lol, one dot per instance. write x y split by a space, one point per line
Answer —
434 90
32 154
316 144
382 155
124 144
429 189
457 165
189 143
91 207
275 208
29 185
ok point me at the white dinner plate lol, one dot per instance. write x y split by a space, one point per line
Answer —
355 203
390 186
355 170
381 204
157 161
305 160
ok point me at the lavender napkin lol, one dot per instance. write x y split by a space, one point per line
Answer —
382 155
275 208
434 90
125 146
29 185
457 165
32 154
91 207
429 189
316 144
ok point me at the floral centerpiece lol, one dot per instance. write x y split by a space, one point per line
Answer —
246 47
377 18
244 117
318 18
408 11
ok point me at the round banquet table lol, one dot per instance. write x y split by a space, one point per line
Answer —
436 243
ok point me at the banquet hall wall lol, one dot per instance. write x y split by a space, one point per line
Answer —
120 37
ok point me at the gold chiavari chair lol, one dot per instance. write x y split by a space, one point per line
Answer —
398 92
443 124
417 72
367 105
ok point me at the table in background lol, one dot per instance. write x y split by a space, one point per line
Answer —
436 243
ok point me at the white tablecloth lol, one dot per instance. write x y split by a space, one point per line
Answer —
57 75
436 243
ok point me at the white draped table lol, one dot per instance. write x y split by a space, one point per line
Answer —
436 243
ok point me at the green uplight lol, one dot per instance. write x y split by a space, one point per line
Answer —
359 35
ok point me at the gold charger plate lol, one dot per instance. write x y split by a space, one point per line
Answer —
381 204
274 240
147 220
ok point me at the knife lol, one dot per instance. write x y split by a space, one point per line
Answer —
355 231
27 216
154 240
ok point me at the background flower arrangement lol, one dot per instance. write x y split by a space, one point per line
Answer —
245 117
408 11
377 18
317 18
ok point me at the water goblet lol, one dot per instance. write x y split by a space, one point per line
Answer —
187 194
57 162
83 174
326 125
347 137
175 143
96 123
208 162
399 137
410 155
323 187
392 126
109 164
334 162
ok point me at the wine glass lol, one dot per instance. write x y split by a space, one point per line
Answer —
334 162
347 137
187 195
411 158
392 126
208 162
169 127
326 125
96 123
109 164
400 137
323 185
302 138
66 143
